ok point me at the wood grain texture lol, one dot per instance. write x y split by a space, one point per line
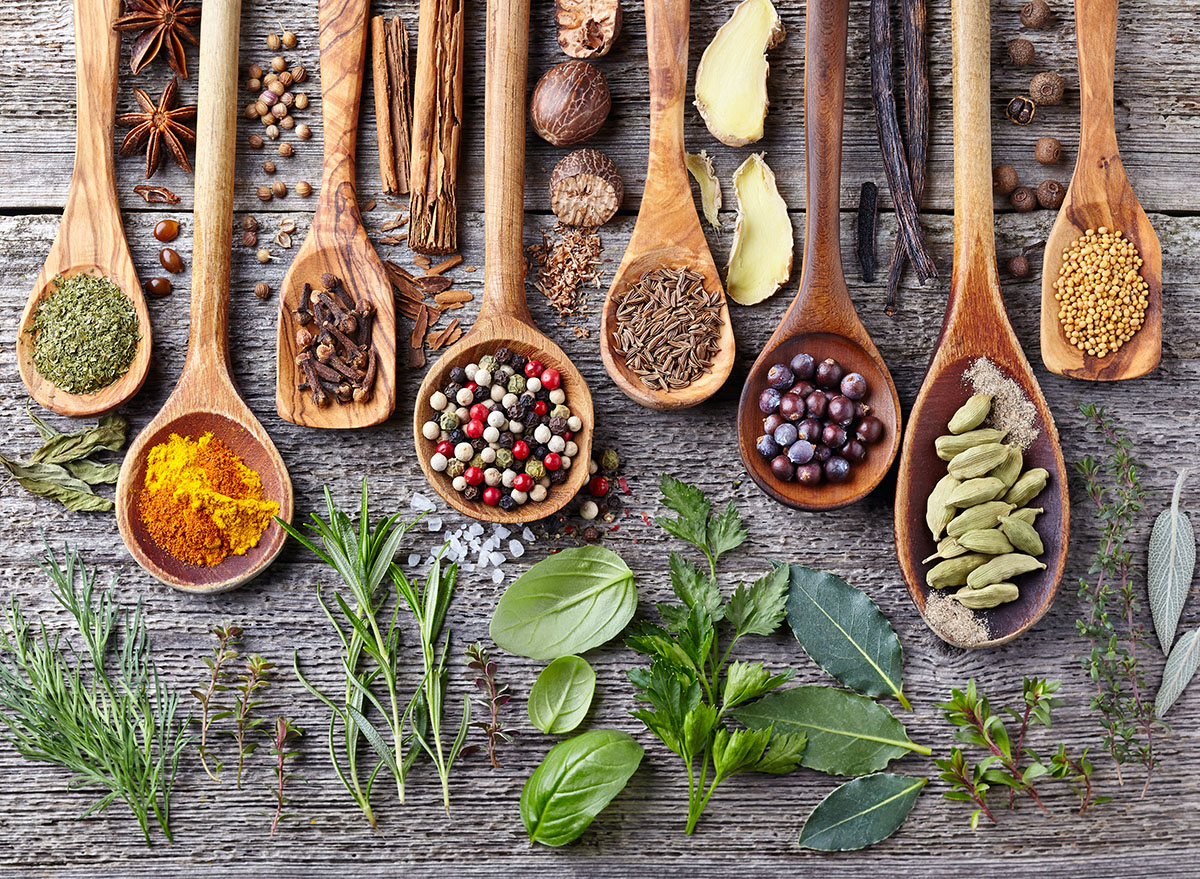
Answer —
1100 195
976 325
821 319
668 230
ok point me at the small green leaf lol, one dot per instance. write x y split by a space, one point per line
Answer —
693 588
691 505
759 609
1181 668
1171 563
738 750
561 695
860 813
783 754
745 681
725 532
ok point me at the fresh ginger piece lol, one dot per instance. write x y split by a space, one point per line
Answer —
701 168
731 81
761 259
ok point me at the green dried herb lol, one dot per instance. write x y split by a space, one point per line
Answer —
62 469
85 334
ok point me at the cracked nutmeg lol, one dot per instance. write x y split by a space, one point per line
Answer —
585 188
159 125
570 103
161 23
587 28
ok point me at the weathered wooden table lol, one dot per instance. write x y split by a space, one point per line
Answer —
752 823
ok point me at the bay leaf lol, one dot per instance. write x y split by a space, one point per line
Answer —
1181 668
861 812
1172 561
92 473
848 734
55 483
109 434
844 631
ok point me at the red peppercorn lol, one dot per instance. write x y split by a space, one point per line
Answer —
567 434
520 450
598 486
480 412
474 429
540 407
533 369
553 461
523 482
445 447
551 379
491 495
473 475
471 386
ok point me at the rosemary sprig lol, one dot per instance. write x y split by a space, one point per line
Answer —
114 729
283 733
493 698
228 638
256 677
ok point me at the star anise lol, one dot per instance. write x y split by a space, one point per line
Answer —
160 22
157 125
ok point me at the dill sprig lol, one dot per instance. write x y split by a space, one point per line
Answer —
102 713
228 638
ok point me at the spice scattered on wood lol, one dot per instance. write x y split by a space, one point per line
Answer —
336 359
700 166
567 260
868 213
445 265
393 101
160 23
156 194
587 28
1011 410
156 126
1100 291
955 622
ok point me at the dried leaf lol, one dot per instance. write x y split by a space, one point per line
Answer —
61 448
54 482
1181 668
1171 565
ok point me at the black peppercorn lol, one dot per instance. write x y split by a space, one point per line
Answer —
558 425
1050 194
558 477
1018 266
527 400
458 375
507 503
506 440
482 394
1046 89
591 533
1023 199
517 412
540 451
1036 14
457 436
518 363
479 444
503 355
451 391
471 493
1021 110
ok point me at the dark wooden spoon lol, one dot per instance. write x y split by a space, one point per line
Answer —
976 326
821 320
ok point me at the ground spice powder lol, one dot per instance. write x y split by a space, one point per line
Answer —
201 503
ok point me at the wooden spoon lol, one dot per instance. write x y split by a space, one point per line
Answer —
90 237
976 326
504 317
205 400
821 319
1100 195
667 232
337 243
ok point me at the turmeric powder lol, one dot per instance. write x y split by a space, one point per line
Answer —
200 502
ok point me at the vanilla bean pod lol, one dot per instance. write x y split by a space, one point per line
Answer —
868 213
892 146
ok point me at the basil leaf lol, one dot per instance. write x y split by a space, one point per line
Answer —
569 603
860 813
561 695
1172 561
1181 668
848 734
53 482
845 633
578 778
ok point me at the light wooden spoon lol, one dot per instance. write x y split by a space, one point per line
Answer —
1100 195
667 232
337 243
976 325
821 319
90 237
206 400
504 317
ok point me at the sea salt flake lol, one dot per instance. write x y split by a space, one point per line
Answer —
421 503
527 536
516 548
414 559
501 532
497 559
497 576
475 530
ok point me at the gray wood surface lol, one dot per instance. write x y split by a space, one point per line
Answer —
752 822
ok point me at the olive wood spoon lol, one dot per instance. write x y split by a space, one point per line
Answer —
667 232
1100 195
821 319
337 242
504 317
976 325
90 237
206 400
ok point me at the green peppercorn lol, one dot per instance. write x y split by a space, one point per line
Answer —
516 384
562 410
455 468
504 458
609 460
535 469
448 421
488 362
478 461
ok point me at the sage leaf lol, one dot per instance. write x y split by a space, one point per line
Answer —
845 633
569 603
860 813
55 483
578 778
1181 668
561 695
1171 564
848 734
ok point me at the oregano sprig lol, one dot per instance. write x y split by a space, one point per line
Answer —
228 638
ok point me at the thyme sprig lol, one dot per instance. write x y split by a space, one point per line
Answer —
493 697
283 733
228 638
256 677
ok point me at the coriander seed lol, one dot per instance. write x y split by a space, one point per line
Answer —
261 107
272 132
301 101
250 223
264 193
288 39
303 189
279 111
269 167
277 88
254 85
255 72
287 99
279 189
286 150
299 73
256 142
274 43
303 131
269 78
278 64
249 239
287 123
285 78
251 111
262 290
264 255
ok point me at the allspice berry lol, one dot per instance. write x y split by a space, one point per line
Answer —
269 167
279 189
1020 110
1050 194
1005 179
264 193
1020 52
1047 88
1036 14
1018 266
274 43
1048 151
303 189
1023 199
262 290
286 150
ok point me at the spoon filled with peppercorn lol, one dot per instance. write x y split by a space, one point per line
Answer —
88 280
205 401
1102 256
336 351
818 419
503 420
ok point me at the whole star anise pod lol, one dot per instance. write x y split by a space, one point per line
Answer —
157 125
160 22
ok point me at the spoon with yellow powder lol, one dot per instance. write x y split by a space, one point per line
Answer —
200 484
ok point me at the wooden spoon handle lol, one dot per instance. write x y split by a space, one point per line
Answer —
343 47
216 136
97 54
504 160
1096 36
667 24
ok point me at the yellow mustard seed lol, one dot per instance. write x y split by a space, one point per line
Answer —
1100 292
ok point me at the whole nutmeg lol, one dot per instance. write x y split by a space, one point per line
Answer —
264 193
262 290
1036 14
1020 52
1024 199
1050 194
1048 151
1047 88
279 189
1018 266
1005 179
1020 110
250 239
570 103
304 189
250 223
286 150
587 28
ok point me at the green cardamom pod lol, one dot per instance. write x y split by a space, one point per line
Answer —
976 491
992 595
1001 568
982 516
1022 535
1027 514
938 511
947 548
990 541
950 445
955 571
971 414
1010 469
1026 488
977 461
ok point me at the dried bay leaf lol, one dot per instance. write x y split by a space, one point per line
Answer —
861 812
92 473
1181 668
1172 561
61 448
52 481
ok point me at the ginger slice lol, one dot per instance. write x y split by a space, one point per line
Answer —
731 81
761 259
701 168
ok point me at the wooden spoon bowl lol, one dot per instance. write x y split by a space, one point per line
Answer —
90 237
667 233
1100 195
821 319
504 318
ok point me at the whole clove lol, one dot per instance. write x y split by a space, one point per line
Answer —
333 337
868 212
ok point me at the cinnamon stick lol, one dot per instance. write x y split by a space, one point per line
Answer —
436 128
393 116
